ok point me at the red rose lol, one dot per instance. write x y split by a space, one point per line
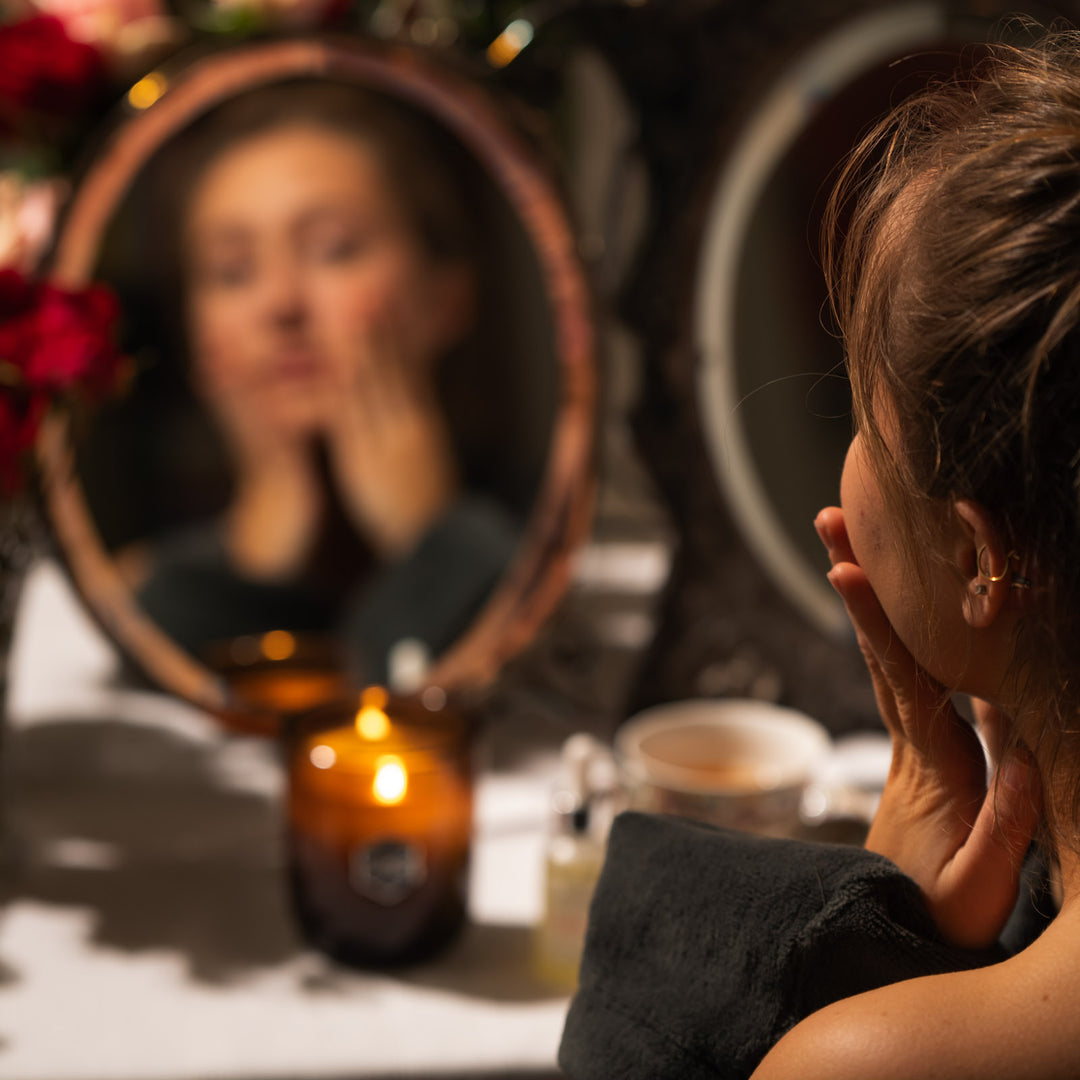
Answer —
57 338
52 340
43 71
73 340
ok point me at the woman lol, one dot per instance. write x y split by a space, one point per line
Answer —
955 553
956 282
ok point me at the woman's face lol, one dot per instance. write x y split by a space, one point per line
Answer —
301 264
875 538
922 603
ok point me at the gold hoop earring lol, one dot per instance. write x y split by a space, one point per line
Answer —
985 573
998 577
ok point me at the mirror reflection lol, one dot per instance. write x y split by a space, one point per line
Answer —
345 378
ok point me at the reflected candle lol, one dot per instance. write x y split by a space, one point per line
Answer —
275 676
380 818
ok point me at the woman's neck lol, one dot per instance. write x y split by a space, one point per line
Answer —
274 518
1059 762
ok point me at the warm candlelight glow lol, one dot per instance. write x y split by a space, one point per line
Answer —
278 645
380 828
372 723
391 780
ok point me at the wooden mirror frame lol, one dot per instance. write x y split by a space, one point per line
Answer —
560 518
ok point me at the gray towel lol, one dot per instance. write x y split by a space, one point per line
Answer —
706 945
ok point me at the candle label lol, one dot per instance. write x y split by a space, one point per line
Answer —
388 870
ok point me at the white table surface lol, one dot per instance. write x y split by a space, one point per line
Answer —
147 934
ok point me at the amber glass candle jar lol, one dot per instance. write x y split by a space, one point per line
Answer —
275 676
380 821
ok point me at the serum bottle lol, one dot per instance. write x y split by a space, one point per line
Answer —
577 834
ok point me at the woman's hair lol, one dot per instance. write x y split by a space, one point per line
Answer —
953 257
420 158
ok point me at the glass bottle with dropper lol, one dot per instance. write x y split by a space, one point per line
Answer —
574 857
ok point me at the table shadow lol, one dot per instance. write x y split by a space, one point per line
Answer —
141 827
135 825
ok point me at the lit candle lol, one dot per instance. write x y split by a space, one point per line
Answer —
380 817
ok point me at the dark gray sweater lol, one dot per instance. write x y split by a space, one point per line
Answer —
706 945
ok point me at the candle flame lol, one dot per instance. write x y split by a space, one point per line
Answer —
391 780
372 724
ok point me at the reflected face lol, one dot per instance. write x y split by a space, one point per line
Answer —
301 265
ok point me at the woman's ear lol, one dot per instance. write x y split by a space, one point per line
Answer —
986 563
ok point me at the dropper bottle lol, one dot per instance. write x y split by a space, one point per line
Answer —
574 857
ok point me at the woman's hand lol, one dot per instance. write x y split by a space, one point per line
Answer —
389 445
962 844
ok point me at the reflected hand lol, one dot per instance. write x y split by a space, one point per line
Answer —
960 842
389 444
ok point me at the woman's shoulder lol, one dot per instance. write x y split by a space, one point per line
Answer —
1015 1018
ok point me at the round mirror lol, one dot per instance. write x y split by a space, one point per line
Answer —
358 434
772 390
